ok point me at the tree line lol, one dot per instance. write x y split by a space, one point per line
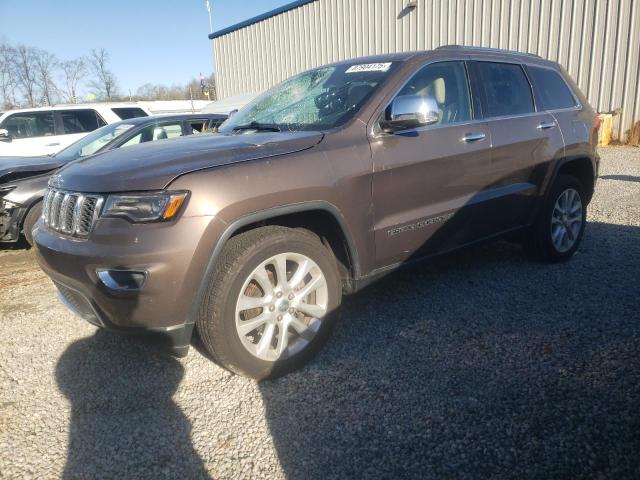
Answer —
31 77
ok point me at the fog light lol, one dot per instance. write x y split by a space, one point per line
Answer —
122 279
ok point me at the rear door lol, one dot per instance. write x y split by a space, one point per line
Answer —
525 139
554 95
425 178
73 124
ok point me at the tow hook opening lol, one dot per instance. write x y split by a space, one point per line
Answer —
122 280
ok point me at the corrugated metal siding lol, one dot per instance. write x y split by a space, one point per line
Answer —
597 41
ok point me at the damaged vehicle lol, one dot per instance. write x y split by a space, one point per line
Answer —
23 180
317 188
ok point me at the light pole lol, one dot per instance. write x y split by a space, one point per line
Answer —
208 5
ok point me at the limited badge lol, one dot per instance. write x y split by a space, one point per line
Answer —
369 67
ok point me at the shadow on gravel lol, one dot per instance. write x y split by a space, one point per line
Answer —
477 365
124 423
624 178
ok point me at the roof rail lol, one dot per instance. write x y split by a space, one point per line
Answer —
485 49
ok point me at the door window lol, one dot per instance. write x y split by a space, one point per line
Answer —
29 125
80 121
197 126
507 90
446 83
551 88
155 132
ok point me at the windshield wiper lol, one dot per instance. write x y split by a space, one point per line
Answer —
261 127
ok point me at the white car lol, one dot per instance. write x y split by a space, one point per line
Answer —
47 130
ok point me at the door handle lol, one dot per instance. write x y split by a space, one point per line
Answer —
473 137
546 125
52 144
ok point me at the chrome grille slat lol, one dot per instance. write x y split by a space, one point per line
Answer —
76 212
70 213
46 204
54 216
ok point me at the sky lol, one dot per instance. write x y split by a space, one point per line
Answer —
149 41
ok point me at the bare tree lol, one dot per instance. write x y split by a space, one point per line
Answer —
26 72
7 75
45 64
105 81
73 71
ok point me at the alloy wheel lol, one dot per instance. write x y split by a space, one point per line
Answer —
566 220
281 306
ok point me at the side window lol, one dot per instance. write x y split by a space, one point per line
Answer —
29 125
80 121
155 132
551 88
507 90
129 112
446 83
197 126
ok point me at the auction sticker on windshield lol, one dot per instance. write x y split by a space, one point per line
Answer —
369 67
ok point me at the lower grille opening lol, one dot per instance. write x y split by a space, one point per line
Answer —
78 304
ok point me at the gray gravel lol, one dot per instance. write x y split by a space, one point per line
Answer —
478 365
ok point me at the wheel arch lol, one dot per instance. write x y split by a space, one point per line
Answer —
580 167
321 217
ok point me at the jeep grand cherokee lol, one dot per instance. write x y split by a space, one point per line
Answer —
316 188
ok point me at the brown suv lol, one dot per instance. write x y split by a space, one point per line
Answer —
330 179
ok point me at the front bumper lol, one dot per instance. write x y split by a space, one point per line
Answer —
168 253
11 218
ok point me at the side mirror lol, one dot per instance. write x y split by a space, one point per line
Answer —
4 135
412 111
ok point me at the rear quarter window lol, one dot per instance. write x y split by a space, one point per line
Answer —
129 112
550 87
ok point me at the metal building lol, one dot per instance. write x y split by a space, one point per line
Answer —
598 41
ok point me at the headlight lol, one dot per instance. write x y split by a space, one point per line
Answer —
144 207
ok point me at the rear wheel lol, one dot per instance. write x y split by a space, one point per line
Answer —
30 221
560 225
271 301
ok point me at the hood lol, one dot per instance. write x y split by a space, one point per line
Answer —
153 165
13 168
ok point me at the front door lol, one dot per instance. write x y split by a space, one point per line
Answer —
426 180
30 134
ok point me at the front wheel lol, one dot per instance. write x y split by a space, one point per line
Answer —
559 228
271 301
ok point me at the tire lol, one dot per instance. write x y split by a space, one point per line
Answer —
30 221
247 265
540 244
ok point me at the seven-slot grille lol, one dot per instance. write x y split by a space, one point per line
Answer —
69 212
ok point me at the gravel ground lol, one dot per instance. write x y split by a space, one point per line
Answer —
477 365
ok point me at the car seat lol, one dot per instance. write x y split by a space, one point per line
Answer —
159 133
